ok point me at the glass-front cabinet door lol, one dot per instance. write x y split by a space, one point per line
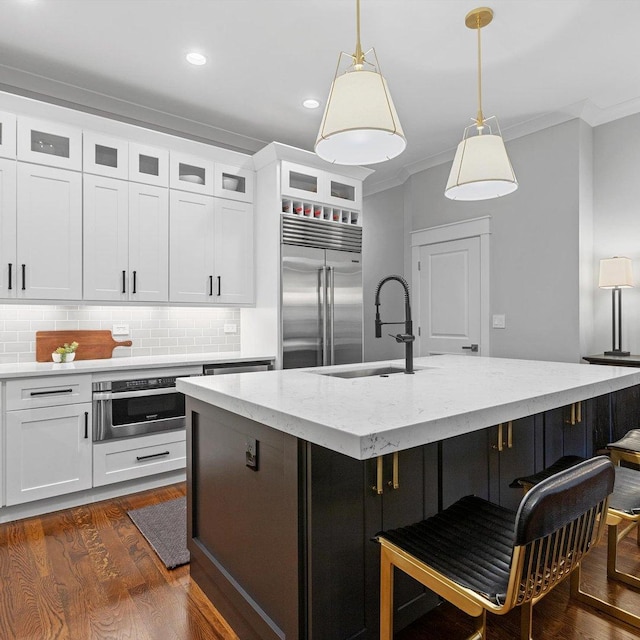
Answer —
299 181
7 135
233 183
191 173
105 156
344 192
148 165
49 143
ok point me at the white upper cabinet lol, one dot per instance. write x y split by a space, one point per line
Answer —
148 165
211 250
105 156
148 243
8 266
233 252
233 183
49 143
49 233
314 185
191 248
191 173
106 238
7 135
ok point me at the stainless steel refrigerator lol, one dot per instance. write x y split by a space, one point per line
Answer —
321 293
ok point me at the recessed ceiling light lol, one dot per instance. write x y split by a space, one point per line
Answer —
311 103
196 58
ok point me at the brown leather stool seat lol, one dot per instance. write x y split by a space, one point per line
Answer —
482 557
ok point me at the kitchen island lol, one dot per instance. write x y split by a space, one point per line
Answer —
290 474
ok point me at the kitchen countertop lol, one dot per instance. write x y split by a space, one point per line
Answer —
30 369
367 417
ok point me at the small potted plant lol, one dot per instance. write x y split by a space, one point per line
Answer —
65 353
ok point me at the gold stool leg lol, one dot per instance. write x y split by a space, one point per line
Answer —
526 620
386 595
480 625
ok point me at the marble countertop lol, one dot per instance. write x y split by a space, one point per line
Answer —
367 417
31 369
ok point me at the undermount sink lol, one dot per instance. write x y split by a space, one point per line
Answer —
363 373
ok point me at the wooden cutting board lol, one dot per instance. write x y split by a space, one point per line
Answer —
93 344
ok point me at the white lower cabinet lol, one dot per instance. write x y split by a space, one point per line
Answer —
48 452
127 459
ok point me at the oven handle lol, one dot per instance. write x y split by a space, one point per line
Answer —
142 393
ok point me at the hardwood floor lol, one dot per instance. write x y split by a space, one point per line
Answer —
88 574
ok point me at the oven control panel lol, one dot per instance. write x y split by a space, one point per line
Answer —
143 384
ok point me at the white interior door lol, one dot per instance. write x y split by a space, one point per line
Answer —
450 288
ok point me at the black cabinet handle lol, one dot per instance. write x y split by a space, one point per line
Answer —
135 281
86 425
219 285
153 455
24 276
124 281
10 276
50 393
210 285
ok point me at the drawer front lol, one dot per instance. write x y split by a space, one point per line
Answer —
132 458
30 393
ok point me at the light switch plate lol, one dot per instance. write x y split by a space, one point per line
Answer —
230 328
499 321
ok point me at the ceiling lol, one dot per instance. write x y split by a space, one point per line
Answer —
544 61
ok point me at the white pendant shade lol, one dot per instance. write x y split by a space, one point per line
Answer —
481 170
360 124
615 272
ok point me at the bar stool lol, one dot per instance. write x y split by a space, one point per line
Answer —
623 510
627 448
482 557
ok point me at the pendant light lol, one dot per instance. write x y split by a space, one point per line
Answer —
360 124
481 167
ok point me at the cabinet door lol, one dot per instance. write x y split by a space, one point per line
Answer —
105 156
517 458
8 267
298 181
148 243
49 232
49 143
344 192
191 248
48 452
191 173
233 252
7 135
233 183
148 165
568 432
106 238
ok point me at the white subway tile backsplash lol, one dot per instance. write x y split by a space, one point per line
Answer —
153 330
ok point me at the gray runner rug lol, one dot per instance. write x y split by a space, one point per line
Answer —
164 526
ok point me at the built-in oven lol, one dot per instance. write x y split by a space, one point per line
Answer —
127 408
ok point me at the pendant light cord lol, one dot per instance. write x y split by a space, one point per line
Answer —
480 117
358 56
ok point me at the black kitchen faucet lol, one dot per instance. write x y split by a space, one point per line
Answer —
407 337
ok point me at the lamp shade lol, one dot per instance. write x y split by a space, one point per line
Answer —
481 170
615 272
360 124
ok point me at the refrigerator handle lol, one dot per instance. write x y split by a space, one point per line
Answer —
330 292
324 318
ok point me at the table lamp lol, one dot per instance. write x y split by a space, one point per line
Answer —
616 274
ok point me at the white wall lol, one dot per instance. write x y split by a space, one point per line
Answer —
537 249
383 255
617 224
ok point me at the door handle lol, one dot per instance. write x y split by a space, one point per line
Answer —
86 425
135 282
324 307
394 483
472 347
219 285
124 281
10 277
509 435
24 277
331 314
210 285
377 487
500 445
